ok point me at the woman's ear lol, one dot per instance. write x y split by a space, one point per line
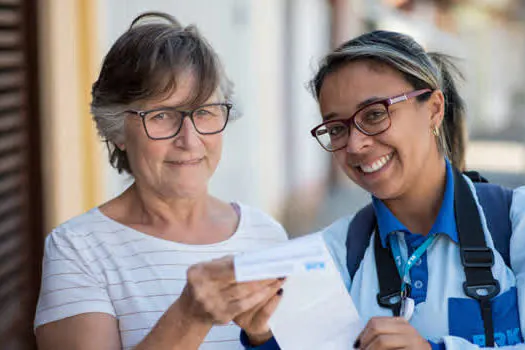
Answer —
436 105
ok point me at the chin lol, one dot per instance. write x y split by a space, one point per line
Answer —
387 191
189 188
381 189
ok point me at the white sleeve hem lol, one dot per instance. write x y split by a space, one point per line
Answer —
63 311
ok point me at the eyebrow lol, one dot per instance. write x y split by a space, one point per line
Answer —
162 106
358 107
181 107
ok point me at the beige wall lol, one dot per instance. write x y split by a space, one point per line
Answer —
70 148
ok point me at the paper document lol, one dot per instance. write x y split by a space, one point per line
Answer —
316 311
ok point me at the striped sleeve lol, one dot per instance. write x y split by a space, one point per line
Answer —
68 287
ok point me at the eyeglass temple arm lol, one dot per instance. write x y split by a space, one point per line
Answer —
405 97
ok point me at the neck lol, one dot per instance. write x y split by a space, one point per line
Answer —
197 219
418 208
155 209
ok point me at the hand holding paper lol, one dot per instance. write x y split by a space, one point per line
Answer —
316 311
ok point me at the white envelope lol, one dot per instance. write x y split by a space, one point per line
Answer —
316 311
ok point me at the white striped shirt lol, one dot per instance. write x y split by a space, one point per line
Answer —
95 264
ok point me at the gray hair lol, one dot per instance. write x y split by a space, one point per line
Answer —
145 63
419 68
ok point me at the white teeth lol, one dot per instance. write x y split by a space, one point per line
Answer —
377 165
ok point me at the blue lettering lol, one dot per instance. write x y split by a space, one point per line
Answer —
513 336
500 339
479 339
314 266
510 337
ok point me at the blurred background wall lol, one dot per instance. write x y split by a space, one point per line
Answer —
53 166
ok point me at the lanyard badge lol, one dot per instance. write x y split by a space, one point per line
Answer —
407 307
407 303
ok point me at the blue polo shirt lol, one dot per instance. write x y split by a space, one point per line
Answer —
445 224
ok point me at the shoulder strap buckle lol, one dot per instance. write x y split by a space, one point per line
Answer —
482 291
389 301
477 257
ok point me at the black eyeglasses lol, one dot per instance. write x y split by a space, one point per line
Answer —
371 119
166 122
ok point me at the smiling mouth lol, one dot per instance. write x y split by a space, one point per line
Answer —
185 162
376 165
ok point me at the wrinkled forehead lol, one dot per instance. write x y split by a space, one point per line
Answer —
188 88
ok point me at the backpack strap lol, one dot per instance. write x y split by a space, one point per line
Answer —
475 176
389 295
358 238
357 241
496 201
477 259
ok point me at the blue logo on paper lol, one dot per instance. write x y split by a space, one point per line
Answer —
314 266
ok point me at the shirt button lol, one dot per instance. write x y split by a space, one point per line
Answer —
419 262
418 284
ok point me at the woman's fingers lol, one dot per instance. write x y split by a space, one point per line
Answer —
241 290
383 333
386 341
254 299
255 321
212 289
263 313
380 326
218 270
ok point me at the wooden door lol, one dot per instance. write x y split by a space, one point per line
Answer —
20 175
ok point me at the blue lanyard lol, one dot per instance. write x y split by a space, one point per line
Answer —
404 271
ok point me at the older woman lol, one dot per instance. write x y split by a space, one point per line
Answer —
131 273
433 271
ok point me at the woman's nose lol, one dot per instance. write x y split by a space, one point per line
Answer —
357 140
188 135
